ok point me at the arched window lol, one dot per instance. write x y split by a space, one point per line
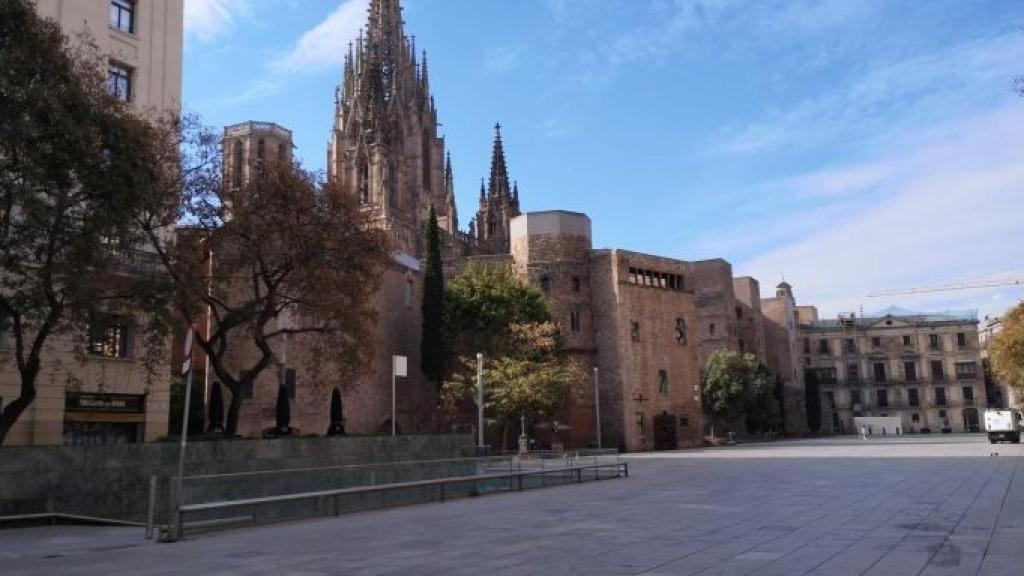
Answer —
236 158
492 223
363 174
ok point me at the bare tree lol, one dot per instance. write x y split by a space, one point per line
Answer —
291 255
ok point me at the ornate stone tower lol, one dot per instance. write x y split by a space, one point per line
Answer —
249 146
384 148
499 203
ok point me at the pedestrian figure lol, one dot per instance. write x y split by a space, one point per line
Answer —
863 432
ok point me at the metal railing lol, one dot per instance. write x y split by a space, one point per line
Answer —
329 502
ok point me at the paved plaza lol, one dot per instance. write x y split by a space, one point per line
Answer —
899 506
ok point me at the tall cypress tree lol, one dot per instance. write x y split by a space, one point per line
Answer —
432 346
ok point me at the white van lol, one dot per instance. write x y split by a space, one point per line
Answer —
1003 425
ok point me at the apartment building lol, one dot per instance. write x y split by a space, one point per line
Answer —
94 387
923 368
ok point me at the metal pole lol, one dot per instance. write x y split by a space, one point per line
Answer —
597 408
393 409
480 399
209 317
181 453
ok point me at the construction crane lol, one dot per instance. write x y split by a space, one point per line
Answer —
949 287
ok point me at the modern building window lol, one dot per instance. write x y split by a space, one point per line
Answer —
823 346
879 368
876 341
915 417
883 398
575 283
711 329
663 382
282 152
122 15
854 396
968 396
830 398
933 342
906 340
966 370
545 284
119 81
807 345
910 371
851 346
912 398
942 414
961 340
937 373
407 296
574 320
108 337
853 373
827 376
940 396
634 331
261 150
680 332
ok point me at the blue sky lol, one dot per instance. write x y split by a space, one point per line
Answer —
850 145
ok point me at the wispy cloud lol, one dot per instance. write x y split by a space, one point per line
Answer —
208 20
952 210
324 46
890 95
503 58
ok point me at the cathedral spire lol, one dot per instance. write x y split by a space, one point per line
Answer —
499 171
483 190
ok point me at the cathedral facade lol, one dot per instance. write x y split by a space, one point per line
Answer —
638 326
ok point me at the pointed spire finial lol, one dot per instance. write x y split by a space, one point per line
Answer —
481 188
499 172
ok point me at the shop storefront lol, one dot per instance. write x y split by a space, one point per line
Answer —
96 418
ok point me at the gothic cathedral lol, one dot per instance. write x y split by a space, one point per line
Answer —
385 149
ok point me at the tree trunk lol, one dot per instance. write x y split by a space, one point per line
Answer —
234 408
14 410
504 435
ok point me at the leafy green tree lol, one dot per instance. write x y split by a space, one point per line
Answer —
75 164
725 386
489 309
1007 349
764 412
432 344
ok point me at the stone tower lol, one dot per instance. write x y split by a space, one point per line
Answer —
249 146
384 147
499 203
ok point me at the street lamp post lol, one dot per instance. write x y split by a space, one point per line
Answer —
597 408
480 400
